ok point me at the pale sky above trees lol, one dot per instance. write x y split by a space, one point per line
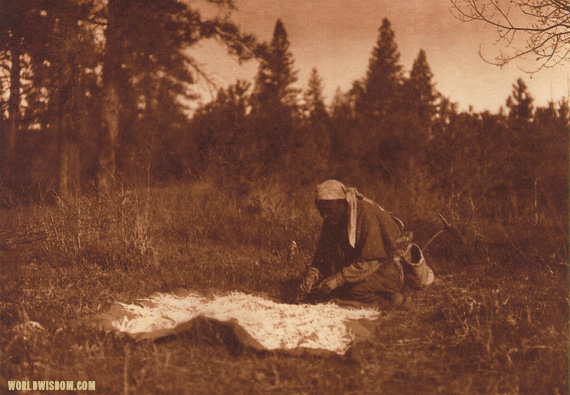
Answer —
337 37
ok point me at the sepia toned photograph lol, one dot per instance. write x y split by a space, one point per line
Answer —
289 197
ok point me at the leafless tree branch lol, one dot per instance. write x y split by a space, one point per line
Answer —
546 22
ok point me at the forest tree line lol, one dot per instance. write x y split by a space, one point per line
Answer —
95 93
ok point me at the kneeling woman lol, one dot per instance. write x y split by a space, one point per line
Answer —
355 251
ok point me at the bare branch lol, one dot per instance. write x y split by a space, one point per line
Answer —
546 23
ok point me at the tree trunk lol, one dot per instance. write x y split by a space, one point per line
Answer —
513 199
109 131
536 212
9 165
108 137
68 141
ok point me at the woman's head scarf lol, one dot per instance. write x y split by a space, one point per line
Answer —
336 190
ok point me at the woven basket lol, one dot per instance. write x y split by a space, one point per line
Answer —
416 271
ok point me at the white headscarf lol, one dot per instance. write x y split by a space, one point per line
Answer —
336 190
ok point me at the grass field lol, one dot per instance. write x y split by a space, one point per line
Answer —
495 320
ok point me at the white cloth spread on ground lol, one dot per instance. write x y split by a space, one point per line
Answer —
273 325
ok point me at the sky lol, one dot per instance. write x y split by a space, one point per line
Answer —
337 37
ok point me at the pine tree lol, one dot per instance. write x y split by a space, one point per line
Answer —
276 73
520 161
314 104
312 140
378 107
275 99
418 106
384 75
520 103
317 118
420 94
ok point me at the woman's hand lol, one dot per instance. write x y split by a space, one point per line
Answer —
329 284
310 279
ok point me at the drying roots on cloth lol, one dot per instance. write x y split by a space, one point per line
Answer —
273 325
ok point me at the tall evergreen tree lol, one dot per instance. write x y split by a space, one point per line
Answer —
520 166
383 77
276 73
378 106
314 103
317 119
275 99
420 93
312 140
418 106
520 103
